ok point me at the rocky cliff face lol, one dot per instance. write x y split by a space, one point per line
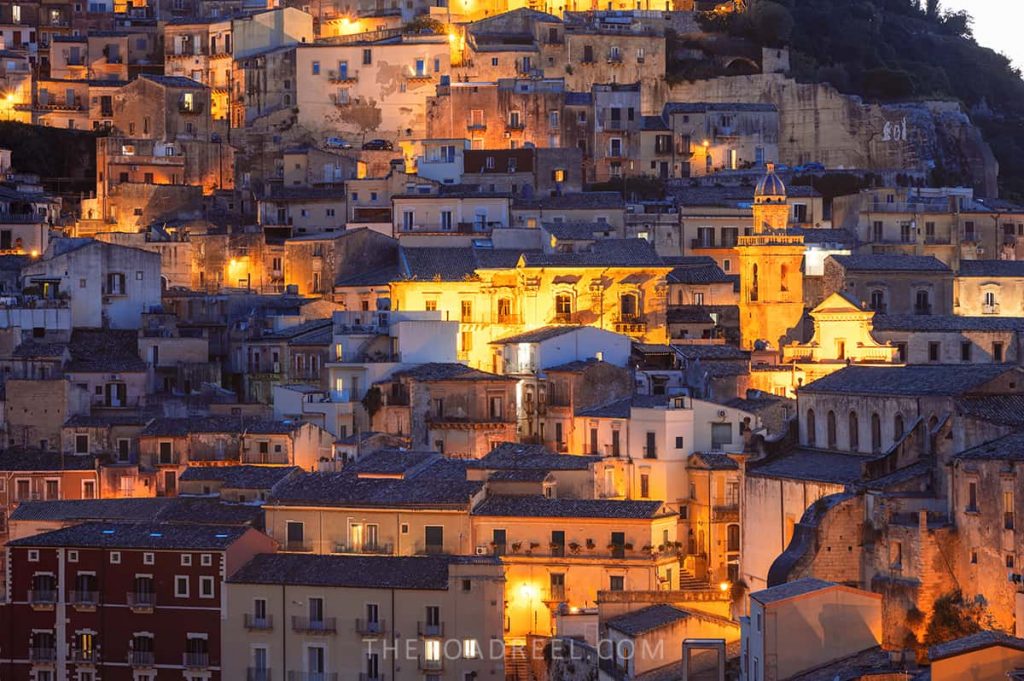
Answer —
818 123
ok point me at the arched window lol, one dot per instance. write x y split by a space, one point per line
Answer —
629 307
753 283
878 300
897 427
811 435
854 432
563 308
922 302
876 432
783 278
830 424
733 538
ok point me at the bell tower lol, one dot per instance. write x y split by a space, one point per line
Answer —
771 276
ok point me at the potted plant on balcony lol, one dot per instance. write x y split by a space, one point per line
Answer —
516 545
591 545
574 548
533 545
628 546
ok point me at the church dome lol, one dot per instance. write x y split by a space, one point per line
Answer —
770 185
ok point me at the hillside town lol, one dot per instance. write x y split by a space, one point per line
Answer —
470 341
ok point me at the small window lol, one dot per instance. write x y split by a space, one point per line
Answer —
72 556
206 587
33 556
181 587
186 559
148 558
679 442
617 583
206 559
115 557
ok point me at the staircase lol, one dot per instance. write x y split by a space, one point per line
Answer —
688 582
517 666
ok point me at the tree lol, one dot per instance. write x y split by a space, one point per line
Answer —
770 23
953 617
932 9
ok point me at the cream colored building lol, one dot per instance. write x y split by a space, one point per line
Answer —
801 625
407 504
989 288
984 656
368 90
363 618
617 285
559 551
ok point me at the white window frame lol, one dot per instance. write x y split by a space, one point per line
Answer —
203 581
115 557
186 559
178 593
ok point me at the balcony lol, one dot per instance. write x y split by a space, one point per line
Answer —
922 309
366 676
258 674
87 599
565 318
44 597
650 452
190 108
992 308
614 125
42 655
515 125
476 125
312 676
630 325
615 59
703 243
430 549
254 623
385 549
141 658
428 630
84 656
507 319
725 513
431 665
298 546
306 625
366 628
346 77
195 660
557 594
141 601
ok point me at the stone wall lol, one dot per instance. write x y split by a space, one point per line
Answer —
818 123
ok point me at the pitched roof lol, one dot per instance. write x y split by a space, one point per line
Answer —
142 509
167 426
808 464
31 459
172 81
105 351
921 379
537 335
1004 409
945 322
539 506
716 461
1007 448
703 273
891 263
967 644
991 268
442 484
702 107
647 619
576 230
602 253
138 536
448 371
789 590
516 455
572 201
360 572
239 477
453 264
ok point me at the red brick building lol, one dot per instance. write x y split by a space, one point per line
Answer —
120 601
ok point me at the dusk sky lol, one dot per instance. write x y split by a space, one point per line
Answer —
994 25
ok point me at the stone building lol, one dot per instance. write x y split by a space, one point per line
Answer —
367 90
770 269
708 138
505 114
892 284
315 262
989 287
449 408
